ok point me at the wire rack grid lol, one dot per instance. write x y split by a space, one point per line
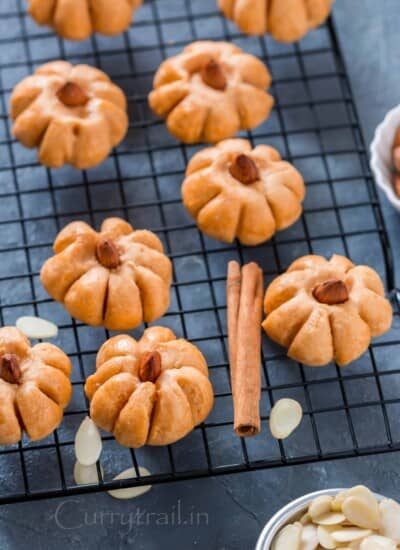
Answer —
314 125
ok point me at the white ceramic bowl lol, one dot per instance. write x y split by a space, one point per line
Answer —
289 514
381 154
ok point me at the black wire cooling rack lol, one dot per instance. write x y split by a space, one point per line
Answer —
314 124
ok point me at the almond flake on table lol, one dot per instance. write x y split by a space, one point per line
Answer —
36 327
130 492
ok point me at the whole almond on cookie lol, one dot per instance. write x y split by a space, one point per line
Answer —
10 370
396 158
244 169
72 95
331 292
107 253
150 368
396 183
213 75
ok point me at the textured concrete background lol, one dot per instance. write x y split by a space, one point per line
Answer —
370 40
229 512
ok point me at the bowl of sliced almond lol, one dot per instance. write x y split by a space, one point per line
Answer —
385 156
335 518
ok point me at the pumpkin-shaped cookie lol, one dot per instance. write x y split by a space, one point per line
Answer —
326 310
73 114
78 19
116 278
233 191
211 91
285 20
152 391
34 387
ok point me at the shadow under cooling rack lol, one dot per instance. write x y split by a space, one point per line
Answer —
314 124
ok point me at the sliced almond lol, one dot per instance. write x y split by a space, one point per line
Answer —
332 518
36 327
362 492
305 518
88 444
375 542
338 500
309 537
86 475
325 538
349 534
285 417
390 519
320 507
131 492
361 513
289 538
352 520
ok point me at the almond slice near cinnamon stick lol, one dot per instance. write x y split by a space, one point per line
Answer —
244 299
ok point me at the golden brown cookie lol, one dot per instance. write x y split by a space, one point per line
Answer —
117 278
285 20
78 19
326 310
34 387
233 190
152 391
211 91
73 114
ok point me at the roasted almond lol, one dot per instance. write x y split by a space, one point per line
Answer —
72 95
213 75
244 169
396 158
107 253
331 292
10 371
150 367
396 184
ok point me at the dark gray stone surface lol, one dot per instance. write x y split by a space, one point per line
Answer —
225 513
229 512
370 40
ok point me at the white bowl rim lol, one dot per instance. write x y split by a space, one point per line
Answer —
380 132
284 515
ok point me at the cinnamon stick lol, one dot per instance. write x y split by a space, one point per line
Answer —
234 282
245 290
